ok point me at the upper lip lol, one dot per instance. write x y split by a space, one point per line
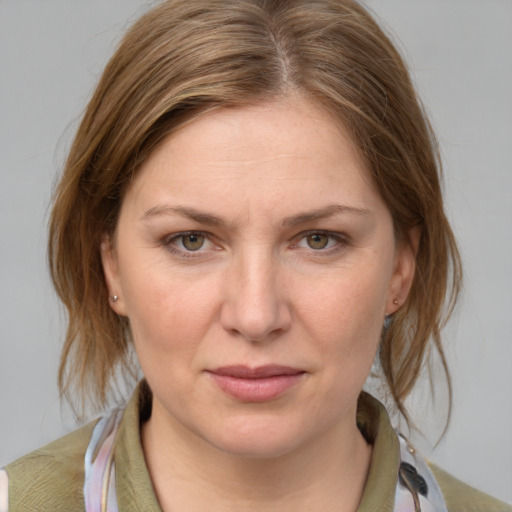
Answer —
259 372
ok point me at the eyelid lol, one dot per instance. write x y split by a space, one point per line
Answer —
168 240
341 239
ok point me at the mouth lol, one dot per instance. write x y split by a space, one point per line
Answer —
260 384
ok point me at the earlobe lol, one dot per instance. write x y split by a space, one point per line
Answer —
111 274
404 269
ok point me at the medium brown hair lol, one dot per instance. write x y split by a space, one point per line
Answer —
186 57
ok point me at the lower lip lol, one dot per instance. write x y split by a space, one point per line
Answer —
256 390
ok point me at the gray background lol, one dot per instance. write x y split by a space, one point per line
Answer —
51 53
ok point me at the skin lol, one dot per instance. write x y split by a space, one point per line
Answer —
267 186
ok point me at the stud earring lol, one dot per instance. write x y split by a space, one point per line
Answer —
114 298
395 302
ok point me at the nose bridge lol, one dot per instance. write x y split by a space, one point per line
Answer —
255 306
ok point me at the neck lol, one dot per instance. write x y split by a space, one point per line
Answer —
188 473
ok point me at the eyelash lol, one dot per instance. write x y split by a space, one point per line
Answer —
168 243
341 241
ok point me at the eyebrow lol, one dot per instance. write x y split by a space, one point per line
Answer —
323 213
213 220
183 211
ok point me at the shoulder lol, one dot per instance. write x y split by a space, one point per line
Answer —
460 497
52 477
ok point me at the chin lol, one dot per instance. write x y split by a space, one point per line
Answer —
264 448
256 438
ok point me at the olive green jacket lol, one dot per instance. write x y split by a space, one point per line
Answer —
52 478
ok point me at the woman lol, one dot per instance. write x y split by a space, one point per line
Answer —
252 203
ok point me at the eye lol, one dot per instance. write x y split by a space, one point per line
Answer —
317 240
188 243
192 241
321 241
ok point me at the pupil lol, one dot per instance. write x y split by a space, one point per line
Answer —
193 242
318 241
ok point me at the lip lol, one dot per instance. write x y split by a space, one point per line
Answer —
260 384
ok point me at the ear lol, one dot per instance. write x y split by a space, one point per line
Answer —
403 269
111 273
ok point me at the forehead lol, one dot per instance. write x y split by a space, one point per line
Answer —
260 154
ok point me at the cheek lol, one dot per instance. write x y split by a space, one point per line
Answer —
166 335
348 305
166 311
344 316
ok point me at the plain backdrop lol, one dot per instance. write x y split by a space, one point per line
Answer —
460 53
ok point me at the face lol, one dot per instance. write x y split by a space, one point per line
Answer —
256 262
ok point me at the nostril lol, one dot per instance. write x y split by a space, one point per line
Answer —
255 324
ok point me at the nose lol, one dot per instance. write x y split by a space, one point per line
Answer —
255 305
